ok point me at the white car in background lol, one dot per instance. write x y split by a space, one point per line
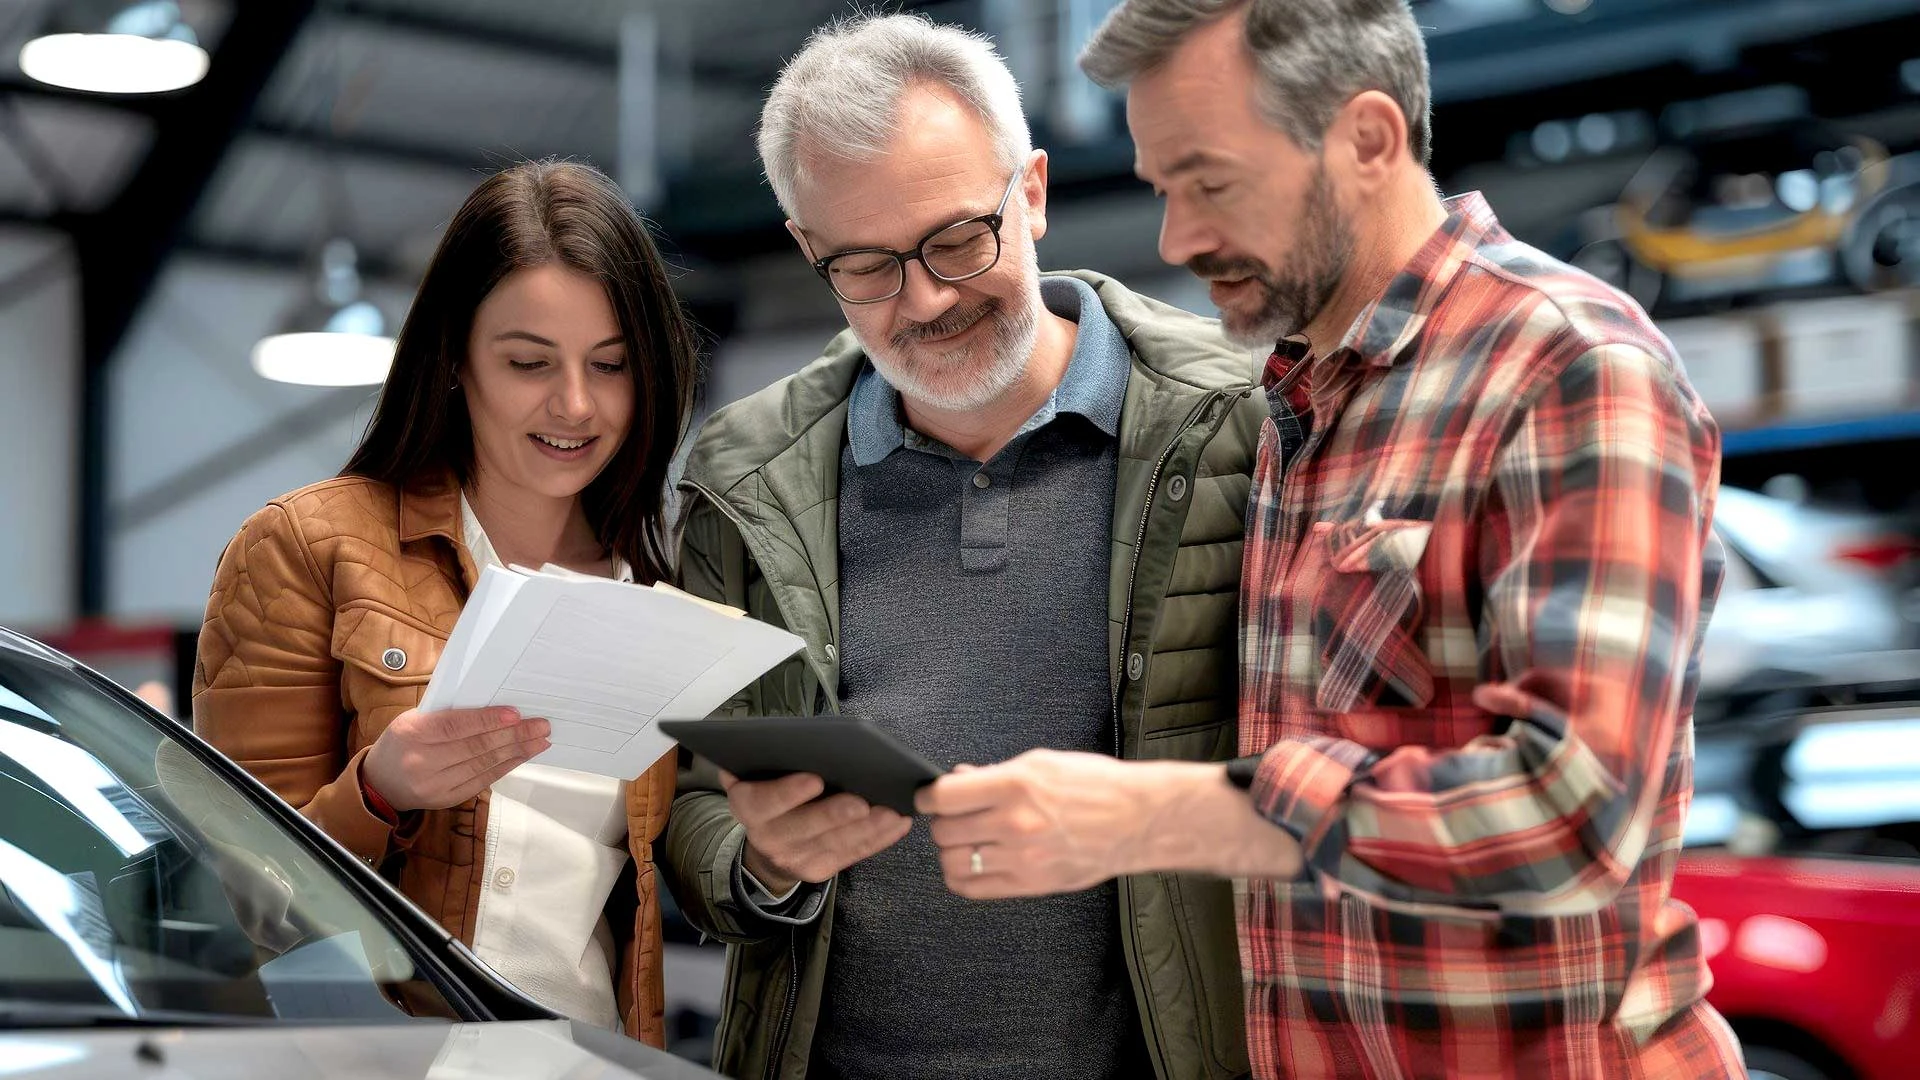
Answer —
1813 597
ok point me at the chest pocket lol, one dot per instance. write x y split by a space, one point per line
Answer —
1366 609
395 651
385 663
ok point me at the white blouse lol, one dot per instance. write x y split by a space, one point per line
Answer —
556 844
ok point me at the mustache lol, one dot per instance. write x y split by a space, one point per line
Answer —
952 321
1213 266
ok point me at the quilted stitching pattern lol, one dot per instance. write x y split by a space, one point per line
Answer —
290 682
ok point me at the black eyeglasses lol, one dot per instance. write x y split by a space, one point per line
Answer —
956 252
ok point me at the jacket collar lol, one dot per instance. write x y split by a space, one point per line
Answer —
1174 347
430 506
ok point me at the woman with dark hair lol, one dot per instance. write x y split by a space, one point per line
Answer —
539 388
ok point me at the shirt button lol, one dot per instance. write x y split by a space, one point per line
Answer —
981 480
504 879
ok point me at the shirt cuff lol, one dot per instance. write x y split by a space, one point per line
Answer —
760 894
1300 785
799 907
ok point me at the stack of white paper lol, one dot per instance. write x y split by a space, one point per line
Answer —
600 661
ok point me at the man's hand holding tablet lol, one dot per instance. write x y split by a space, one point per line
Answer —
776 771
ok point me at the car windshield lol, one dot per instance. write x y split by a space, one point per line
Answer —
136 883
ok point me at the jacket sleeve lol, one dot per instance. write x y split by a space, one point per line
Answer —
1597 563
266 687
703 841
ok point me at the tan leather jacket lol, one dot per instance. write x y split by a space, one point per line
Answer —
329 611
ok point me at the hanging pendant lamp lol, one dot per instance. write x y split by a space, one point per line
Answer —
116 47
335 337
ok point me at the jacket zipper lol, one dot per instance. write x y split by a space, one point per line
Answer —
1126 632
740 526
780 1032
778 1046
1139 538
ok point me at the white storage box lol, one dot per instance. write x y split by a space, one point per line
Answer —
1725 359
1845 355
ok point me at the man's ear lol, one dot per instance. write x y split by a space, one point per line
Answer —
1034 190
801 239
1370 138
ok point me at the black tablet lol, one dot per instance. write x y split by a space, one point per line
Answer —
850 754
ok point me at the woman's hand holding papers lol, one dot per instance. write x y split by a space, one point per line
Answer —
433 760
791 837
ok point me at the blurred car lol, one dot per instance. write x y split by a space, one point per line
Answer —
162 912
1802 859
1757 211
1813 596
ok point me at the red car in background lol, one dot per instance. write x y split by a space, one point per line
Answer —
1803 863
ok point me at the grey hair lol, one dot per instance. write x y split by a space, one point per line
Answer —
841 93
1313 56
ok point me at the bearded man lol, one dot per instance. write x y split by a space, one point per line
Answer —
1004 511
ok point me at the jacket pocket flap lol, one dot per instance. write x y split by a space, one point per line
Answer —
391 649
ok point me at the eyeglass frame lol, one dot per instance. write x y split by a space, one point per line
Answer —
993 222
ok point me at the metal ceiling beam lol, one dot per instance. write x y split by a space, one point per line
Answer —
151 106
559 48
372 269
380 148
550 46
122 248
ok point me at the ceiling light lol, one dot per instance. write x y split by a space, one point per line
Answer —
334 338
138 48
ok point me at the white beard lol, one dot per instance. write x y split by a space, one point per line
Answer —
968 378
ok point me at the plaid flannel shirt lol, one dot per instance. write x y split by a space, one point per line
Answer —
1473 597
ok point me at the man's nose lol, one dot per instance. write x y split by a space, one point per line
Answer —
923 297
1183 235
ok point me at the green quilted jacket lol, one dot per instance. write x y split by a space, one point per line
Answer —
760 532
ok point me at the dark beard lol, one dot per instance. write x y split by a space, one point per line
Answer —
1294 295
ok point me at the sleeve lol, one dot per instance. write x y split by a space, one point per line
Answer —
1595 559
702 848
266 686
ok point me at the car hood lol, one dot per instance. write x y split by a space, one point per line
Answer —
529 1050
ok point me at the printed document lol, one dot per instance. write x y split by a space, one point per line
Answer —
600 660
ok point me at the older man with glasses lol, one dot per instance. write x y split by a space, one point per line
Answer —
1004 509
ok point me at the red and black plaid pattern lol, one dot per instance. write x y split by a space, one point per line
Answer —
1286 356
1473 601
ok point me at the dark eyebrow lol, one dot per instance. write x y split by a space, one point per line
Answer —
1187 163
522 335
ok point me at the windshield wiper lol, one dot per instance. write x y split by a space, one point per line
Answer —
77 1014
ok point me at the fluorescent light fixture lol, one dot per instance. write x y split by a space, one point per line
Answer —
142 48
335 338
113 63
323 358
